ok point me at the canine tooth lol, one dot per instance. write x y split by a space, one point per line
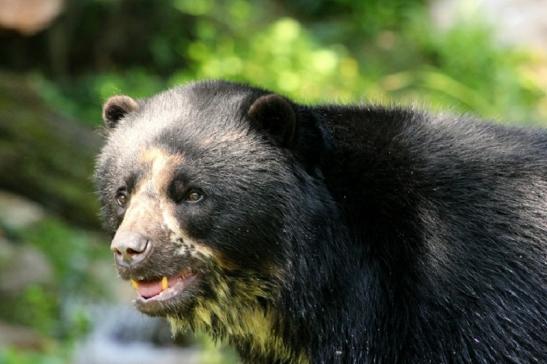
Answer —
164 283
135 284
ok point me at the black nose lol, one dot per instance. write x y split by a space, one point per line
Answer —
129 247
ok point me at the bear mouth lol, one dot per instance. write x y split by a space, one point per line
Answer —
155 296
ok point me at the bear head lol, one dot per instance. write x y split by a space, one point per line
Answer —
209 191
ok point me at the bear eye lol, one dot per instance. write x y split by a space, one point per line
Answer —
179 191
193 196
121 197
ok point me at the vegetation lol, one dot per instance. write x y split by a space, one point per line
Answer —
312 50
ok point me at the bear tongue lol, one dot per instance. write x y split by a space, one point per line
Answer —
150 288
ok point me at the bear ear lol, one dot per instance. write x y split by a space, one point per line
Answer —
116 107
276 116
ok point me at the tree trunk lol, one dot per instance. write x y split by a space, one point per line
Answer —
44 156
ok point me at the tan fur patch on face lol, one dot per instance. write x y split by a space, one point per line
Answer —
162 167
142 208
152 212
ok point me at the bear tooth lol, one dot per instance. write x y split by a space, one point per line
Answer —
164 283
135 284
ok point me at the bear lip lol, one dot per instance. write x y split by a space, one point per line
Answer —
164 288
178 295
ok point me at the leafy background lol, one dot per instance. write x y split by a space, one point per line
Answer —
343 51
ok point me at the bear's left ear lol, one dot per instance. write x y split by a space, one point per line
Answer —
276 116
116 107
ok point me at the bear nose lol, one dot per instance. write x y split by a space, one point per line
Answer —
129 247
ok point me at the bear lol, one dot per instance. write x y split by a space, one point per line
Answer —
329 233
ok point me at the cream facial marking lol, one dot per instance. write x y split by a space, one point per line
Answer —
142 207
151 205
178 235
150 202
162 167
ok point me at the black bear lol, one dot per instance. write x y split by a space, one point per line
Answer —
329 234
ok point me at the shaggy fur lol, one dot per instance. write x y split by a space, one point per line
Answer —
344 234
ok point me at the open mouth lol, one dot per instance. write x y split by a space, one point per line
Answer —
153 294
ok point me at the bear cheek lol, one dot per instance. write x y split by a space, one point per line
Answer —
196 221
219 232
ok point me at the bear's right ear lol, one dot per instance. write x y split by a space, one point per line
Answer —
276 116
116 107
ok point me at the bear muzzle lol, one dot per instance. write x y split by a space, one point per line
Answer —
130 248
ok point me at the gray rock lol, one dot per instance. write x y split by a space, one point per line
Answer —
20 337
22 266
515 22
29 16
17 212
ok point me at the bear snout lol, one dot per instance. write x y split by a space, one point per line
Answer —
130 248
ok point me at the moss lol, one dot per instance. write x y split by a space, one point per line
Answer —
44 156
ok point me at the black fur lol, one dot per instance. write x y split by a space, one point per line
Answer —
399 236
116 107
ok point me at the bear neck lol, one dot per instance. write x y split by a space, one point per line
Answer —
353 257
345 258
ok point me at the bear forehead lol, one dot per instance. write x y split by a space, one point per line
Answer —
194 105
185 108
197 114
159 166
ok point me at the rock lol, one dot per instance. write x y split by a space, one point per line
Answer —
20 337
45 156
22 266
7 252
17 212
515 22
28 16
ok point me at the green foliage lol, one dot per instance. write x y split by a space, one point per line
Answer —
467 71
38 309
82 100
343 52
311 50
12 356
71 253
283 57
